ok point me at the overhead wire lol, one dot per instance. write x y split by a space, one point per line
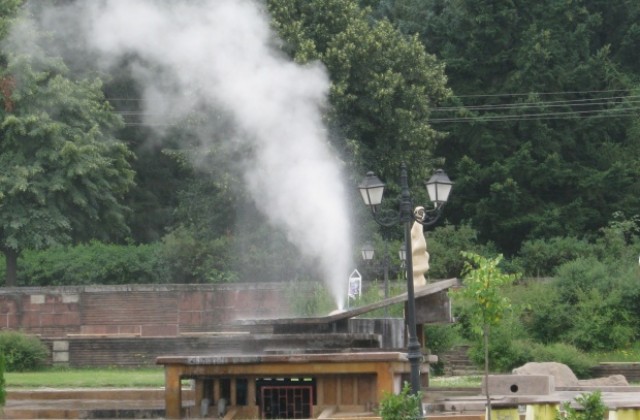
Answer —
614 105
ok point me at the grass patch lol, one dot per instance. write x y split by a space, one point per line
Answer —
631 354
473 381
86 378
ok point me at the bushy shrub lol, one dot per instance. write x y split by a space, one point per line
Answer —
507 355
600 322
576 278
93 263
541 258
22 352
402 406
592 408
439 339
504 355
545 316
444 245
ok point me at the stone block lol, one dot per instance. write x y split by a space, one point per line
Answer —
519 385
37 299
60 357
71 298
167 330
60 345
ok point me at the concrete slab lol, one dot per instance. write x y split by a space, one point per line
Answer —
515 385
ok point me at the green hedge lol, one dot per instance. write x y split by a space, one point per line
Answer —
22 352
93 263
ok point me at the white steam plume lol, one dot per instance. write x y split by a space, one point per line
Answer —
220 53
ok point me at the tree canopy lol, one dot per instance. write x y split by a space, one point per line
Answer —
62 173
541 126
383 88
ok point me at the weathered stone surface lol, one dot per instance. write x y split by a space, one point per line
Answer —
562 374
613 380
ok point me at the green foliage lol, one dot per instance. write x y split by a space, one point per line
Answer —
592 408
547 317
439 339
600 323
483 285
503 353
93 263
403 406
540 257
519 176
22 352
577 278
580 362
189 259
63 174
383 83
600 298
445 243
310 299
3 392
374 292
507 353
8 9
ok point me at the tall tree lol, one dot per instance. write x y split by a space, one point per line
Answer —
384 85
62 173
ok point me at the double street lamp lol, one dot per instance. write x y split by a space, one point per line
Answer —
438 188
367 254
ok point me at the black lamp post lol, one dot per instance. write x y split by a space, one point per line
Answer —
438 188
367 254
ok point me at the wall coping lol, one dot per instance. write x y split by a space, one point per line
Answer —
61 290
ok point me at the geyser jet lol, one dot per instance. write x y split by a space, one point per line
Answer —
220 54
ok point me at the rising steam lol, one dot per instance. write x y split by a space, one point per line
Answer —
221 54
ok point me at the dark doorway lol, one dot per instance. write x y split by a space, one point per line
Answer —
285 398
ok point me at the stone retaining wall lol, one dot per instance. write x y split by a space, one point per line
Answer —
138 310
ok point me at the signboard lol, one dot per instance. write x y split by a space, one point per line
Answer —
355 285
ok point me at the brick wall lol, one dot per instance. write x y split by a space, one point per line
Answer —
138 310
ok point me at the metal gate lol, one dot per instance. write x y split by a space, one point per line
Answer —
286 402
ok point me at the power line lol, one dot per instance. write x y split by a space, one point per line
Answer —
613 106
572 92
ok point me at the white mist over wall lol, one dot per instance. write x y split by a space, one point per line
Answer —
222 54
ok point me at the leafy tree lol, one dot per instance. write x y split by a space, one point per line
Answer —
384 85
483 282
62 173
8 11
